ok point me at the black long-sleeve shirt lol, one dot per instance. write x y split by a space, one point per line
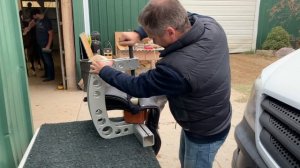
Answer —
162 81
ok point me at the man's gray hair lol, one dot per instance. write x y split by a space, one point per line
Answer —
157 15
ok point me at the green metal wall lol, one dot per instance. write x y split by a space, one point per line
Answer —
15 113
266 23
109 16
78 19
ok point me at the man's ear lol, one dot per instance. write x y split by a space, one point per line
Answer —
171 32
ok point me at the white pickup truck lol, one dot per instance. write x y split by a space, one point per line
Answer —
269 134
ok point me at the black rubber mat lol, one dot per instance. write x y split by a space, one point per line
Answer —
77 144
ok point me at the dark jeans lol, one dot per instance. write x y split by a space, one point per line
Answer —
48 64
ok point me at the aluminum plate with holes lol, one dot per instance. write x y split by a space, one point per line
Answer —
108 128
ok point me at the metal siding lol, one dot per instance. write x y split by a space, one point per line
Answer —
103 20
134 12
109 16
78 28
93 13
237 17
126 15
15 113
291 25
119 20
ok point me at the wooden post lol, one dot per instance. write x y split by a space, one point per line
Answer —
67 20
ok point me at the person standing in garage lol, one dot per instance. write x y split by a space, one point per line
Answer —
44 36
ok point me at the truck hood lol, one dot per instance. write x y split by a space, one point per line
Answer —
281 80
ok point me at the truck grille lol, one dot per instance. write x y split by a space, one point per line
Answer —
281 132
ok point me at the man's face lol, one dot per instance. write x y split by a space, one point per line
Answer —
163 40
35 16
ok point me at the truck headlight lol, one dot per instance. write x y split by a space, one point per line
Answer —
250 110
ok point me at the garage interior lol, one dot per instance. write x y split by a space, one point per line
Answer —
52 12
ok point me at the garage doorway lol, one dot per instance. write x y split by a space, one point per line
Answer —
51 9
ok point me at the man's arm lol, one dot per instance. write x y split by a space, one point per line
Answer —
141 32
130 38
50 39
29 27
162 80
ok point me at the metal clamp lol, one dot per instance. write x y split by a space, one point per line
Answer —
96 101
123 64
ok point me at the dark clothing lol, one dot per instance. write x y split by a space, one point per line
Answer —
23 24
141 32
42 28
34 45
27 14
27 37
42 35
48 64
194 74
33 48
202 58
163 80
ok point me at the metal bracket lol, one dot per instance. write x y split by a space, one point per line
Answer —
123 64
96 101
143 134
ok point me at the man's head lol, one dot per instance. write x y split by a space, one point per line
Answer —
37 14
21 14
29 4
165 21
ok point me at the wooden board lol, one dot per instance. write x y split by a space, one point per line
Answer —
86 45
117 39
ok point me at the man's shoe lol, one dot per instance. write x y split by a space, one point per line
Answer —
47 80
39 67
33 73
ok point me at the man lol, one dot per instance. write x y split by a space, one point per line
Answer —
193 73
27 12
44 36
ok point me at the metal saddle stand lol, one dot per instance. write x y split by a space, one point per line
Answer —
103 97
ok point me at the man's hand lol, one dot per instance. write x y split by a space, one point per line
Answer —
26 30
46 49
98 62
31 24
129 38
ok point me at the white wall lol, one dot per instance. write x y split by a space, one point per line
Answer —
237 17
